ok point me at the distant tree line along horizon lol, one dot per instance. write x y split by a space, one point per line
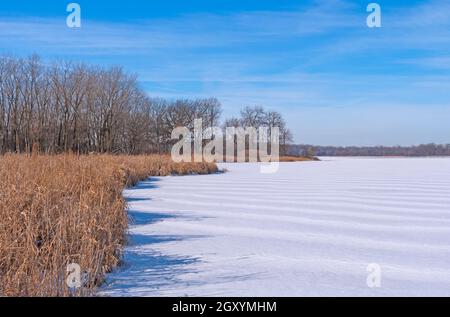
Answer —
419 150
73 107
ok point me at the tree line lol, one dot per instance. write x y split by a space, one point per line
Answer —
257 116
419 150
73 107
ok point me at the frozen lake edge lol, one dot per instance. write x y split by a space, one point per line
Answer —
312 229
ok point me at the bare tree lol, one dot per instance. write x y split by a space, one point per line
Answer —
70 107
258 117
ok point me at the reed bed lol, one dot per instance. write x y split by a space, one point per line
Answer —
298 159
57 210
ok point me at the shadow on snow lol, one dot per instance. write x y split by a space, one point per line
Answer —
142 266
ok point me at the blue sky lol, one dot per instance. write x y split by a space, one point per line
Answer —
336 81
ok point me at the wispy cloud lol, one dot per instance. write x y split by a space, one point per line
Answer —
187 32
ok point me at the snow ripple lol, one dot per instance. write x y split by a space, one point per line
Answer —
311 229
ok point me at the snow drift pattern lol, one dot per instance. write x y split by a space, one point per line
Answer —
311 229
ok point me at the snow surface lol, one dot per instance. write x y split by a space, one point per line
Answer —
311 229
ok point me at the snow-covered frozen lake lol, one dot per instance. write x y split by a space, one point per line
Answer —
312 229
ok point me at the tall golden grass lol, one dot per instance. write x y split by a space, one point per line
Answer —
57 210
298 159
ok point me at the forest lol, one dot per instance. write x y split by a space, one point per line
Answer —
72 107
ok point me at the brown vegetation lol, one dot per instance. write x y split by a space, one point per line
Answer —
297 159
57 210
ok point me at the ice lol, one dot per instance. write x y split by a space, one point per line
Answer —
312 229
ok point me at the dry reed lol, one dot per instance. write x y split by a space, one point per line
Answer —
57 210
